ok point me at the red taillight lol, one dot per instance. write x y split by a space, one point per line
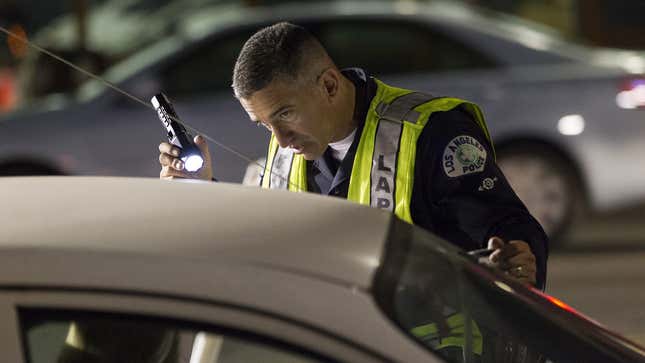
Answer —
632 94
7 90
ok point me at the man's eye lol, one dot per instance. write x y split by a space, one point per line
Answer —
285 114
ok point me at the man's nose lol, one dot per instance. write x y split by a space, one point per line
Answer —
284 137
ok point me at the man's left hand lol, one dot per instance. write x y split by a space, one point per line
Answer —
514 258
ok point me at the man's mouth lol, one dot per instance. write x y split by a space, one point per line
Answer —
297 149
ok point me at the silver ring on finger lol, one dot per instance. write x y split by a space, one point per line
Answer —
518 270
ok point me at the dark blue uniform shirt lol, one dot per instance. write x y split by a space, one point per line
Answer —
465 210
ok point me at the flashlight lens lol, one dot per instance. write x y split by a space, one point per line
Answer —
193 163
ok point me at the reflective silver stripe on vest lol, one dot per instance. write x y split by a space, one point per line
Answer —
280 169
402 108
386 148
386 145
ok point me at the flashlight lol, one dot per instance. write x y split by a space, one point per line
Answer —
177 134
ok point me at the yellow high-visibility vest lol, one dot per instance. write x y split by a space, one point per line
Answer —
383 169
455 338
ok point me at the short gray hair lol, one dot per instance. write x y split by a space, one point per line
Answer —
274 52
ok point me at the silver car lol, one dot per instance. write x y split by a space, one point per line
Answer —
143 270
567 120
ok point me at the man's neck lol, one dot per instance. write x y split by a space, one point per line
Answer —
346 124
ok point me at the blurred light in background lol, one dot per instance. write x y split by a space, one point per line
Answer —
8 94
17 47
533 39
632 95
571 125
406 7
635 64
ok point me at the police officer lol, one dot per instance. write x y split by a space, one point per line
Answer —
344 133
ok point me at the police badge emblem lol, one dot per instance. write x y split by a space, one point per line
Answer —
463 155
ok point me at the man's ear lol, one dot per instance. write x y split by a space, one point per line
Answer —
330 80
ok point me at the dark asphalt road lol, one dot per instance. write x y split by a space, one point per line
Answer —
600 271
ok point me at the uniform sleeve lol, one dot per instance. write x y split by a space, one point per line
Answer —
467 195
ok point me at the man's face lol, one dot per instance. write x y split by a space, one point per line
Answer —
297 112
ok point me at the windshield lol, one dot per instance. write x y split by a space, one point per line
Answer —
463 312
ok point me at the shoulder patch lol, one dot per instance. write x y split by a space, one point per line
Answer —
463 155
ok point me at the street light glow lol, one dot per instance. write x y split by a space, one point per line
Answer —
571 125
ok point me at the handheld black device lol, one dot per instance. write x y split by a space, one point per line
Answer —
177 133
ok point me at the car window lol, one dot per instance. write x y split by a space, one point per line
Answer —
441 300
204 68
381 46
92 337
396 47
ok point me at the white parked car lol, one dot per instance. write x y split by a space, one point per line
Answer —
143 270
567 120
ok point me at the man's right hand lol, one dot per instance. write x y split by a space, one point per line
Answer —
514 258
172 167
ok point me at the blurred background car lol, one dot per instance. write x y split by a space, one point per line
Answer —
230 280
563 156
80 36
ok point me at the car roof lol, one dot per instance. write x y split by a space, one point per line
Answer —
207 21
182 221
